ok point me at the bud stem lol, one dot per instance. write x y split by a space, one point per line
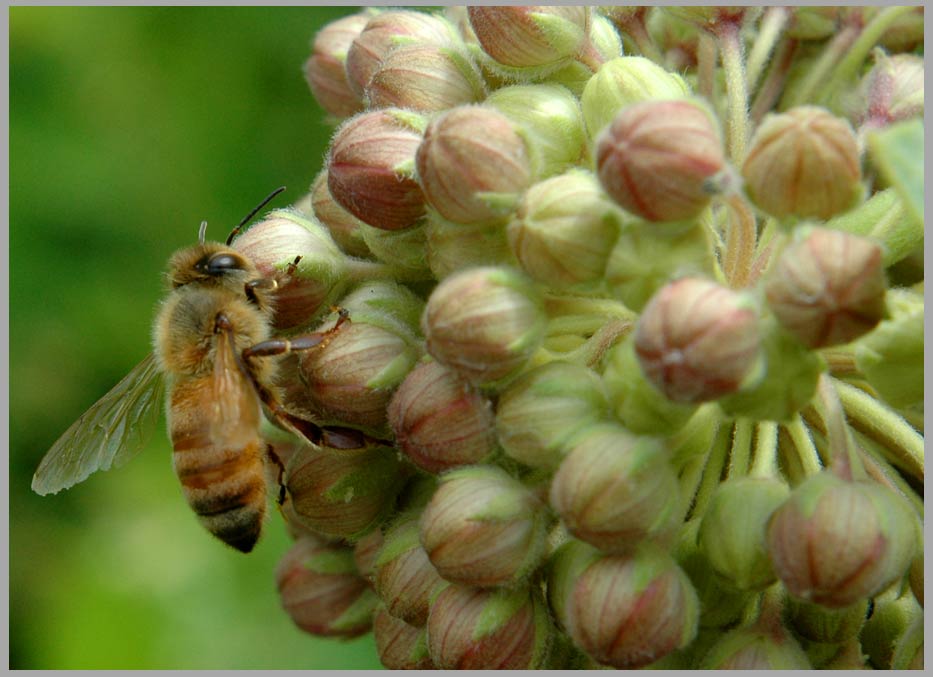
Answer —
741 448
899 442
772 25
854 56
730 46
884 473
740 243
559 304
591 352
807 454
690 477
706 65
819 70
841 447
715 461
764 461
773 85
634 26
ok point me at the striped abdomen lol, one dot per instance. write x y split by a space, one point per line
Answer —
222 473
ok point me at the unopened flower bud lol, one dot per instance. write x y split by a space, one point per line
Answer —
321 591
905 34
473 164
756 648
404 576
370 168
450 246
351 377
661 160
564 229
637 402
401 646
816 623
916 577
343 226
549 115
538 414
386 304
628 611
891 616
403 251
645 258
426 78
365 551
697 340
623 81
344 494
474 629
603 44
563 568
835 542
485 323
440 421
484 528
892 90
803 162
827 287
306 287
387 31
908 652
732 532
531 36
708 17
633 498
325 71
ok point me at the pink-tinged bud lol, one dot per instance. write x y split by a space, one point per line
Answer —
564 230
538 415
325 71
803 162
306 288
484 323
365 551
892 90
345 494
732 532
439 420
816 623
370 168
473 164
562 570
405 578
662 160
633 497
835 542
484 528
628 611
474 629
531 36
342 225
351 377
387 31
697 340
828 287
321 591
401 646
425 78
756 648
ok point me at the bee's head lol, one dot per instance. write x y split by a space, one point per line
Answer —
210 264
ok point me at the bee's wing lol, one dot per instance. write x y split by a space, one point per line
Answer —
236 410
108 434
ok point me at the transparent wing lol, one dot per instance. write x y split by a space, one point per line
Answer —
108 434
236 410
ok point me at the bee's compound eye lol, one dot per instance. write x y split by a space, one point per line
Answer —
221 263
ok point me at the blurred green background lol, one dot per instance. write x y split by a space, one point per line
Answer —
128 126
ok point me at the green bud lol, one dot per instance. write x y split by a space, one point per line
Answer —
646 257
908 652
816 623
633 498
755 648
550 120
889 621
623 81
385 304
401 646
485 323
344 494
404 577
321 590
538 414
916 576
732 533
788 382
402 250
450 246
803 162
563 231
835 542
634 400
474 629
484 528
603 44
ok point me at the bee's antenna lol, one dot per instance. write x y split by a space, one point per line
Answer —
202 231
233 233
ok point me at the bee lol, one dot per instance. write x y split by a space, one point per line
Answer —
215 358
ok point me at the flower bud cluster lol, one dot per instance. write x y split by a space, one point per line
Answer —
573 412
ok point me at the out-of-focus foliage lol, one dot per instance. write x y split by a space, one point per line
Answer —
128 126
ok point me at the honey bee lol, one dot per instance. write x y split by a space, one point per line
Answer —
215 357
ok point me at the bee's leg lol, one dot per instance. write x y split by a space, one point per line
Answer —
270 283
270 452
298 343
